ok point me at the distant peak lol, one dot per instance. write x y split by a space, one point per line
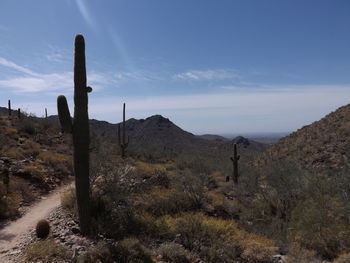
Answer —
240 140
158 118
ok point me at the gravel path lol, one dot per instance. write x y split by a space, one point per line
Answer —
12 234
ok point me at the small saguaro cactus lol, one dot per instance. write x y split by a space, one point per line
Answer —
234 160
19 113
123 144
45 113
79 128
9 108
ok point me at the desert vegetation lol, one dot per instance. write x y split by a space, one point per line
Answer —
174 202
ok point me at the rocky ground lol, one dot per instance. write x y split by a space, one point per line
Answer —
64 229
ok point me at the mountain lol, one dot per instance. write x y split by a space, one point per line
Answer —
213 137
157 137
318 146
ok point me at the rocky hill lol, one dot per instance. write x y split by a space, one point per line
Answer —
320 145
213 137
34 159
160 137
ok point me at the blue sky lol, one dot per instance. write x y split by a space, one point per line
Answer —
214 66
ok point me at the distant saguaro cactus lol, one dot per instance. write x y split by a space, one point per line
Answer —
9 108
81 133
123 144
45 113
19 113
234 160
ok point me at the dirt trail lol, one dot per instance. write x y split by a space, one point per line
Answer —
10 234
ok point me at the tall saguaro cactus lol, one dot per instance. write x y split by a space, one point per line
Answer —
9 107
19 113
234 160
45 113
123 144
80 132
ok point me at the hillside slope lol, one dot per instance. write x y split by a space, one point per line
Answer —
320 145
34 159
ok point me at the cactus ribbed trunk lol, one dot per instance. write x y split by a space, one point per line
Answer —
81 136
234 160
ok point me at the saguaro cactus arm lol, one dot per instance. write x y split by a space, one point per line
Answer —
64 114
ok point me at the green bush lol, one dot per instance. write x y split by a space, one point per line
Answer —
173 252
130 250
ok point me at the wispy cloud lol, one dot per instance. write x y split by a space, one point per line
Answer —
236 112
57 54
7 63
29 81
84 11
216 74
253 103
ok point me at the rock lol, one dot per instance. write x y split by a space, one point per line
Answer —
75 230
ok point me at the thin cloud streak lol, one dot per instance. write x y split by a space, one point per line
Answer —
32 82
217 74
83 9
12 65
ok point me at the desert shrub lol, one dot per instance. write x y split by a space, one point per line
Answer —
34 173
46 250
14 153
111 209
27 125
301 255
161 178
218 240
31 149
100 253
257 251
343 258
130 250
196 164
219 205
318 225
193 188
152 226
68 201
161 201
9 205
59 162
42 228
173 252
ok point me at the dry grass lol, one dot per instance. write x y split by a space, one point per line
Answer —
46 250
68 200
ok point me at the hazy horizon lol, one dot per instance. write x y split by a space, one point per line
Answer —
212 68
